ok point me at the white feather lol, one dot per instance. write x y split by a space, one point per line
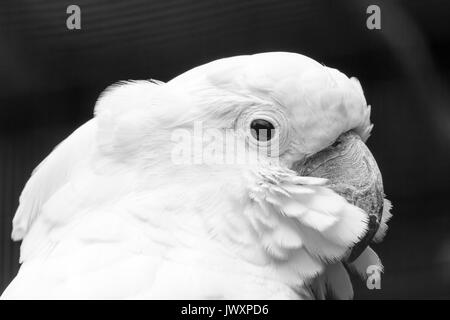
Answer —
108 215
51 175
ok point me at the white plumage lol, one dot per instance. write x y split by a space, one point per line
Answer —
108 214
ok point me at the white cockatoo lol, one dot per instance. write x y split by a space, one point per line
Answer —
113 213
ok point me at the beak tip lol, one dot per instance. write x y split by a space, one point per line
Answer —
372 228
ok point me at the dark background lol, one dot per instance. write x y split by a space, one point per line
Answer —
50 78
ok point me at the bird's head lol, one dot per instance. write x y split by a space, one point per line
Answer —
305 184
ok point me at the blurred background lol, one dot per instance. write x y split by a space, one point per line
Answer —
50 78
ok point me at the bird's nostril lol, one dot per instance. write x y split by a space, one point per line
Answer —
337 143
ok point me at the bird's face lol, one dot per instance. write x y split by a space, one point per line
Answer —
315 185
343 159
311 119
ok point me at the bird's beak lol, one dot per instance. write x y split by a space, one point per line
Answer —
354 174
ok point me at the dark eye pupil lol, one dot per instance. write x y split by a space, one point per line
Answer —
262 130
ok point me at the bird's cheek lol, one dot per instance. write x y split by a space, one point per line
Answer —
353 173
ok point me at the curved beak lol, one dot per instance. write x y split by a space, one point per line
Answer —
354 174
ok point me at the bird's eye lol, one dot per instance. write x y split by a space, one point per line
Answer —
265 128
262 130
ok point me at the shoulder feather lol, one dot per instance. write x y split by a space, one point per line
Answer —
50 175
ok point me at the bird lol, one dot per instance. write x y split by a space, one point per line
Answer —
247 177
